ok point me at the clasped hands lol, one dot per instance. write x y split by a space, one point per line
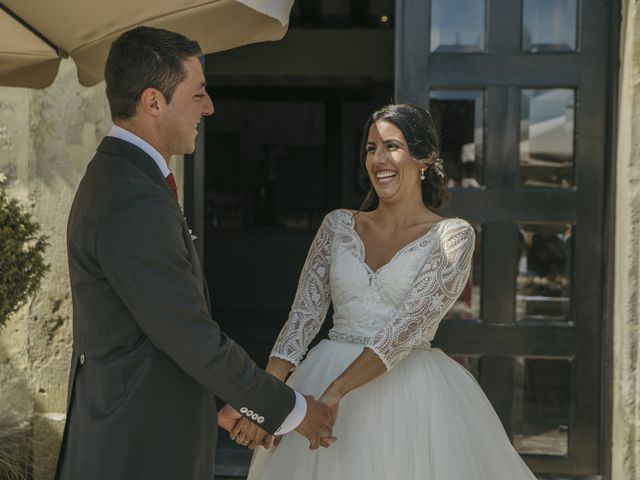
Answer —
316 426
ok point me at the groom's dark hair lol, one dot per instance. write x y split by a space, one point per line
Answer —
142 58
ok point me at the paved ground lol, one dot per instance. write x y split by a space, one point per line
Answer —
232 461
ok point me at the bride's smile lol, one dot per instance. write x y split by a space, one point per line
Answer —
389 164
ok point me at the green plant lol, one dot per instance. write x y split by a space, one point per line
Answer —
22 264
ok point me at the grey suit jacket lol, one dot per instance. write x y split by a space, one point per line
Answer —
148 360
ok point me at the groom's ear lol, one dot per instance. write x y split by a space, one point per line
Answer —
150 100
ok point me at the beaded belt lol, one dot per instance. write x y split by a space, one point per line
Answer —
339 336
348 338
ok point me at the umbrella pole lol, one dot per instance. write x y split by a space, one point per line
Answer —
58 50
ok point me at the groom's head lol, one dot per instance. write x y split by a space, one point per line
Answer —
154 78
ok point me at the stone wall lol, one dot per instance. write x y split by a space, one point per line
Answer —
626 378
47 137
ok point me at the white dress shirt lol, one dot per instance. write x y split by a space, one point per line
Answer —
300 409
127 136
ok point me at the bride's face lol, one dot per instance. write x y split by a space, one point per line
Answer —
392 170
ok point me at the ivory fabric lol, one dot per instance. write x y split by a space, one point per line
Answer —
426 418
85 29
399 306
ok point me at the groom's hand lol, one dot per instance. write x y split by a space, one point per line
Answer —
228 417
317 424
249 435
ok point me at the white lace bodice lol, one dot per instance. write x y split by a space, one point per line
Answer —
392 310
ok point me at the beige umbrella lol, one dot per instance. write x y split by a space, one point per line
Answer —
36 34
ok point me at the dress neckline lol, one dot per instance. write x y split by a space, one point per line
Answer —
363 251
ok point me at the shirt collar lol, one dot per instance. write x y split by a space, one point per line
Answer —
127 136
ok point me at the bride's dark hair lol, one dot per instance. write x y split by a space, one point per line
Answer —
419 131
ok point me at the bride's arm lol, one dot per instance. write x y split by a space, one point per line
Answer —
311 302
279 368
308 311
433 293
363 369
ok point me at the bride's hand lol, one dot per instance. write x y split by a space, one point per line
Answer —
227 417
332 397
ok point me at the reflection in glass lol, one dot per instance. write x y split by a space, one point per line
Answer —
542 405
457 26
549 25
546 138
459 118
467 307
543 282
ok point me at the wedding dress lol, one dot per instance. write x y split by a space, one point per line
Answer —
425 418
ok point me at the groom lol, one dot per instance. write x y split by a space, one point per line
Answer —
148 360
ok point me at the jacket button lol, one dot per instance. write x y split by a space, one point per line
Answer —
243 410
82 359
260 420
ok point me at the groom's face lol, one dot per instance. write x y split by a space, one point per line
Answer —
189 103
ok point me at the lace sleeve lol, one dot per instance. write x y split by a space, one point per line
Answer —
312 298
433 293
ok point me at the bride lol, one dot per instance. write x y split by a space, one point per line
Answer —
392 271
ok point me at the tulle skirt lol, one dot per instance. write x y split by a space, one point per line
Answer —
425 419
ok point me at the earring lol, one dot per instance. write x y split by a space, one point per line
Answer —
422 177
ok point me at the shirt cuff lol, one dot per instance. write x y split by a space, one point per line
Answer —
295 417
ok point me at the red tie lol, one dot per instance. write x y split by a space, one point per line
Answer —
172 185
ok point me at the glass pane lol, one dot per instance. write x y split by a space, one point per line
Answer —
543 282
467 307
542 405
457 26
549 25
459 117
546 138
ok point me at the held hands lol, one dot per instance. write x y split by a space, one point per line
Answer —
250 435
317 424
227 417
241 430
331 397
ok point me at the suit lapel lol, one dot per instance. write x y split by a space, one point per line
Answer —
137 157
146 164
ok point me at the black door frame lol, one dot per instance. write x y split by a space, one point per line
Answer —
613 102
502 71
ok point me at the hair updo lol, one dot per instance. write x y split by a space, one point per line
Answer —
418 129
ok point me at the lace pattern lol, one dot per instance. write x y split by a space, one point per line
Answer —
433 293
312 297
447 251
